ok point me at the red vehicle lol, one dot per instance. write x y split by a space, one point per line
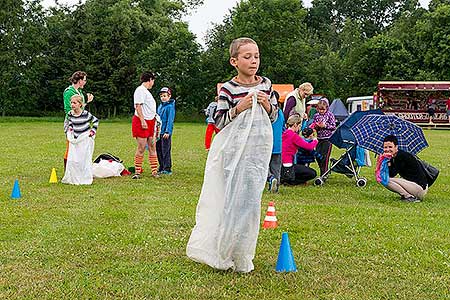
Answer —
411 100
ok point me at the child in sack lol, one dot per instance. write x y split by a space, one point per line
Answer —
304 157
229 208
80 127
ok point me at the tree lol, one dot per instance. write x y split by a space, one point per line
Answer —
175 54
433 33
110 39
277 26
373 16
22 41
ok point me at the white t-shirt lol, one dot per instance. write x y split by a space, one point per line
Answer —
144 97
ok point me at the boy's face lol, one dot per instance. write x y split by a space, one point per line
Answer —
75 104
164 97
247 61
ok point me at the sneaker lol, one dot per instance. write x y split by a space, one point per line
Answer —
411 199
155 175
269 180
136 176
165 172
274 185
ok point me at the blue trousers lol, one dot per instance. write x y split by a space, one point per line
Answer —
163 150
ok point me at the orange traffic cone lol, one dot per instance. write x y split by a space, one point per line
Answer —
270 221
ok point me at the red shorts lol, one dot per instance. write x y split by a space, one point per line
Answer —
138 131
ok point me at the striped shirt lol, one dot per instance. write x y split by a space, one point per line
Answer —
230 94
80 124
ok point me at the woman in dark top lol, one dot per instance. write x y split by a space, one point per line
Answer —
412 186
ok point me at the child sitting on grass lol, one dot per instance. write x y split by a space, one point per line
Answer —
303 156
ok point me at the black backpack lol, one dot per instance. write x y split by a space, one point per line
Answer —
431 173
107 156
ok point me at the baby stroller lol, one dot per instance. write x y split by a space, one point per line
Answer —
343 138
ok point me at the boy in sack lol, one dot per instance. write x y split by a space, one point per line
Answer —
229 209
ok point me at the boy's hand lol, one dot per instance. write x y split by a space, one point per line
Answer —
144 124
263 99
166 136
244 104
91 133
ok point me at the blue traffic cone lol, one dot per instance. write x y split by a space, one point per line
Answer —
285 262
16 190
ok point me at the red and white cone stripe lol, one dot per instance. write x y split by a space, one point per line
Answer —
270 220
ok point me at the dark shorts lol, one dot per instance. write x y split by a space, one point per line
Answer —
138 131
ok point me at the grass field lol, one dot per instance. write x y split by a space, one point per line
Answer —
125 239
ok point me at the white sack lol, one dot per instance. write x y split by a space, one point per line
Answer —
229 208
106 168
79 160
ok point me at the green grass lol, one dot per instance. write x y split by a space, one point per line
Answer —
125 239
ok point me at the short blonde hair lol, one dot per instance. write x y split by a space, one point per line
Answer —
294 119
77 98
238 43
307 88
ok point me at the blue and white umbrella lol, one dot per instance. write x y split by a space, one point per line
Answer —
371 130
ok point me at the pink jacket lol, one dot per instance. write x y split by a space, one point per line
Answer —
291 141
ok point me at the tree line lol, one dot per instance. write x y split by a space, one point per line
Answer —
343 47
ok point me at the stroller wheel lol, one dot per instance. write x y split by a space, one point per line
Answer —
361 182
319 181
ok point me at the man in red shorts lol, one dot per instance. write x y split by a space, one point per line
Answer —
143 125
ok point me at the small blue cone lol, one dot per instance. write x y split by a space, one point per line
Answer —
16 190
285 262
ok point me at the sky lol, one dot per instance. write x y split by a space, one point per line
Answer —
203 18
